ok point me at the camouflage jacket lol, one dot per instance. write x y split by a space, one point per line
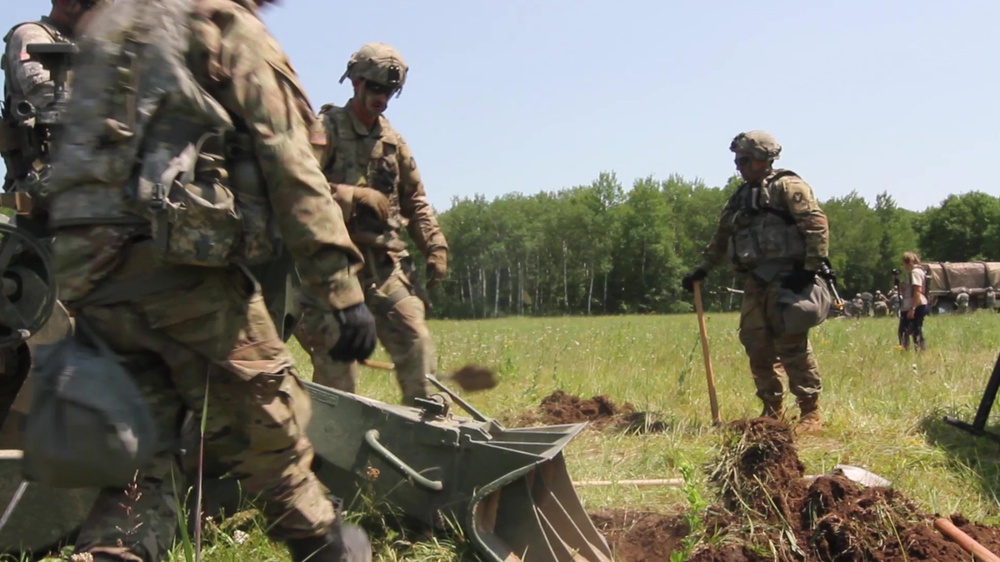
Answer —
379 158
776 221
241 66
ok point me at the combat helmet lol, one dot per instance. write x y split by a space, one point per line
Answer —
378 62
759 144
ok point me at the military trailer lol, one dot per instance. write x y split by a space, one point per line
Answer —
946 280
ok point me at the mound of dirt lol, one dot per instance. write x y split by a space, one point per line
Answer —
599 411
768 511
640 536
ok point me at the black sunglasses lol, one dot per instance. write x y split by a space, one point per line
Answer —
743 160
376 88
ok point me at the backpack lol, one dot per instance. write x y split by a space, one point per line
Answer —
143 142
88 425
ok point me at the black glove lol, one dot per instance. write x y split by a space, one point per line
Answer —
798 280
357 334
697 275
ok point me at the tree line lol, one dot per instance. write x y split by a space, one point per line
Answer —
602 249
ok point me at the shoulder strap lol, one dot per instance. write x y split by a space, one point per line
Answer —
49 28
783 215
54 33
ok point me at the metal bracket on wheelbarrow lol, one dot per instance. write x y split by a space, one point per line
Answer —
508 490
978 426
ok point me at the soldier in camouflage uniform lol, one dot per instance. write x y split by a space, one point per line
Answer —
962 301
374 177
895 300
881 305
858 304
990 301
779 239
24 145
195 332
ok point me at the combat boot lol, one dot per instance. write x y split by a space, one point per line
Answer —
773 408
341 543
810 420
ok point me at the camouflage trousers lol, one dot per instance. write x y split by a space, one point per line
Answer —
400 325
776 358
213 342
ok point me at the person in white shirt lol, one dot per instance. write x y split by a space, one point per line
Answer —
914 307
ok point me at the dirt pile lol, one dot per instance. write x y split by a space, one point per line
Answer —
768 511
599 411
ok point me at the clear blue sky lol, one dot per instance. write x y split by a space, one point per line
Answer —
518 95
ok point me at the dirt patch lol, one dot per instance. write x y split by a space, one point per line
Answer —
599 411
640 536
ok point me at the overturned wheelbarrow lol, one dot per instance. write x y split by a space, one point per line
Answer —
507 489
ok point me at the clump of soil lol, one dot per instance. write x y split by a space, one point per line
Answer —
599 411
768 511
640 536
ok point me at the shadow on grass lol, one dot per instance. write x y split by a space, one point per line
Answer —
980 455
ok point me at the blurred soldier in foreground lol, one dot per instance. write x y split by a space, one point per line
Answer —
374 177
26 137
185 157
779 239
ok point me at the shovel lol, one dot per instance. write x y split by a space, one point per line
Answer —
857 474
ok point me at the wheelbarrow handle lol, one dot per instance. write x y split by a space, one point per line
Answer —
372 436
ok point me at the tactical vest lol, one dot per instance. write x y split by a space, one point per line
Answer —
145 144
763 228
347 163
23 145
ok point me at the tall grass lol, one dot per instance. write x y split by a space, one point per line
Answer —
883 408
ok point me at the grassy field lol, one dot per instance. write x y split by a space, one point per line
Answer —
883 406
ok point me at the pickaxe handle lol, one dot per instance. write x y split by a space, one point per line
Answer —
384 365
704 350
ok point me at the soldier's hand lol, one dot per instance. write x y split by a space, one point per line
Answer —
696 275
798 280
357 334
437 266
373 201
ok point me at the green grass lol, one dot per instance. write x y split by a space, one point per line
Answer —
883 407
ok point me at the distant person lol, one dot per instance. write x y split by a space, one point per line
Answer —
962 301
991 299
867 301
895 301
858 306
914 306
881 305
776 235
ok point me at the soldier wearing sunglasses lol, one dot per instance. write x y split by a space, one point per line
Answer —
777 238
375 180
